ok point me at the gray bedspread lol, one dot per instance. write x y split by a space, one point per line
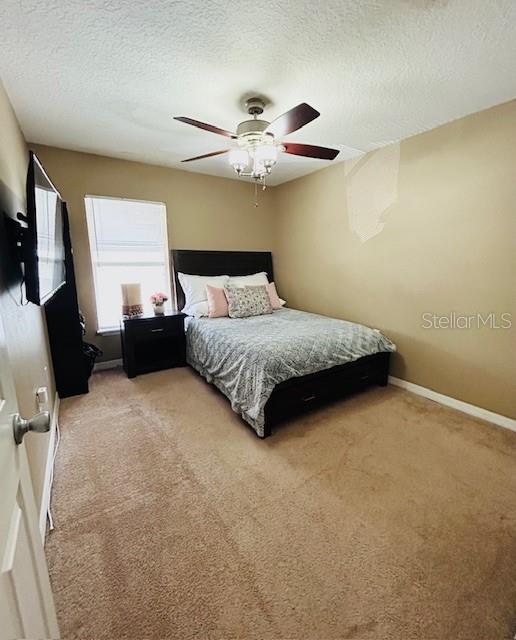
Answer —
247 357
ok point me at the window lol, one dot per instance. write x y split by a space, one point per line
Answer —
128 243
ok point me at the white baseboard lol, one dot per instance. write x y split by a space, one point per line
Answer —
465 407
47 483
107 364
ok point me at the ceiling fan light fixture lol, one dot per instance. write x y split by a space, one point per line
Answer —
239 159
267 155
257 159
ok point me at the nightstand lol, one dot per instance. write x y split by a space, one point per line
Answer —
151 343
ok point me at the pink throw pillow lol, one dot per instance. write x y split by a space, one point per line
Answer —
276 301
217 303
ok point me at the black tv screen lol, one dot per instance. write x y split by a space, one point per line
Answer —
44 243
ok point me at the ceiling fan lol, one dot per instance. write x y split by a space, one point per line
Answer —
258 141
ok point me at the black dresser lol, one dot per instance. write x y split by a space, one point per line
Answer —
72 365
151 343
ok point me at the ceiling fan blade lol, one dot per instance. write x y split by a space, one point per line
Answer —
292 120
207 155
207 127
310 151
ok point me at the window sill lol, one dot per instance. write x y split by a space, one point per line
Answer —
110 331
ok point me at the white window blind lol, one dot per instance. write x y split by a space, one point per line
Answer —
128 243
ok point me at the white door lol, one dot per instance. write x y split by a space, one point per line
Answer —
26 602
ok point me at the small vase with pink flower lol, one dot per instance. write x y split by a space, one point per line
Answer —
158 302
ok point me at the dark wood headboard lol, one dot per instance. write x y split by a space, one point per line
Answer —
217 263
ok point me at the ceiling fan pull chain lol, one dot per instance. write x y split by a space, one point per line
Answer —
255 193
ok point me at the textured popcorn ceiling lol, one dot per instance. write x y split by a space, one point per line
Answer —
107 76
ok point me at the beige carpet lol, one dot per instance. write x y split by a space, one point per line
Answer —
381 516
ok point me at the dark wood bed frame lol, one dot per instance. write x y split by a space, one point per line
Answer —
295 395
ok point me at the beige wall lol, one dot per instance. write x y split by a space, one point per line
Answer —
203 212
24 325
448 245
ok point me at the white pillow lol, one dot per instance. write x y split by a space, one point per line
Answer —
197 310
254 280
194 288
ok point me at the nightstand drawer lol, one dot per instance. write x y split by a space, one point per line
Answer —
155 327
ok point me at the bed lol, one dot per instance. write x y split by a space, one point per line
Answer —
274 366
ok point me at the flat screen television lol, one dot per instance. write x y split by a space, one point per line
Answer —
43 249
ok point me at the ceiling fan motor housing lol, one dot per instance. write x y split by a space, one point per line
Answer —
253 132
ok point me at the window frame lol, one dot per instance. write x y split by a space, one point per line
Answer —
93 249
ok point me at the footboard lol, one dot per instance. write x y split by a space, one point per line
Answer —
295 395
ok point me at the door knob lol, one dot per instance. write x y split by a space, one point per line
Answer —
40 423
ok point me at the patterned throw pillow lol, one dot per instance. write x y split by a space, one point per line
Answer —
247 301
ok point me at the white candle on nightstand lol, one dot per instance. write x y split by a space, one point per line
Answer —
132 299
